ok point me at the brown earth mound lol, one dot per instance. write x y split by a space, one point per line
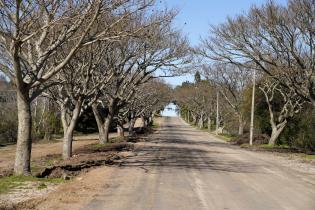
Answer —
257 139
85 158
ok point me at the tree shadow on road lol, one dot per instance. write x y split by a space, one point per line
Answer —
169 157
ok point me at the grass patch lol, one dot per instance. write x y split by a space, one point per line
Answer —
52 141
99 146
227 137
117 139
307 157
245 146
35 168
52 161
9 183
268 146
42 186
155 125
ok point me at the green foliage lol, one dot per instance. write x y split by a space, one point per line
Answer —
197 77
86 122
300 131
268 146
47 121
307 157
8 124
155 125
42 186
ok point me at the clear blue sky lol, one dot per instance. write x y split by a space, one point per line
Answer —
196 16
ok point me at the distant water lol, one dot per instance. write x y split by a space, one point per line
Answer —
169 111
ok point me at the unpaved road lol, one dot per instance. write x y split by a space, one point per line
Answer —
183 168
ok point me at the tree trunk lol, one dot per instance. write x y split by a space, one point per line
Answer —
143 124
47 135
68 128
108 120
209 123
150 120
201 121
24 140
107 124
276 131
100 124
120 130
67 144
241 125
131 126
194 122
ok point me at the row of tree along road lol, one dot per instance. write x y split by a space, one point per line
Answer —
278 43
78 55
64 59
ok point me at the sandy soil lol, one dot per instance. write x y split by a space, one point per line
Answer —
7 154
87 158
183 168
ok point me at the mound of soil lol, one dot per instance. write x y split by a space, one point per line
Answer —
257 139
77 165
84 159
95 148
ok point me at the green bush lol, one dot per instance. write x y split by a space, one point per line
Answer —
300 131
8 123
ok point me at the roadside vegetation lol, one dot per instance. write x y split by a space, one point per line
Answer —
83 66
10 183
272 45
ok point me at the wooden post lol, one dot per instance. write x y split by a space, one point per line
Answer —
251 134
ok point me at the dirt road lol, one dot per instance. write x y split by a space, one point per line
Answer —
183 168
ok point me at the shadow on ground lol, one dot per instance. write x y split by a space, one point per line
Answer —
175 148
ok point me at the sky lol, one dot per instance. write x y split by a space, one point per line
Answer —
169 111
196 16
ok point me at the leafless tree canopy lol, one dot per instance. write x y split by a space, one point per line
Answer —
278 39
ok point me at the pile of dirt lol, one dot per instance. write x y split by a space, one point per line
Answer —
78 164
96 148
84 159
257 139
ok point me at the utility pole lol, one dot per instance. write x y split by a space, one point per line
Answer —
252 110
217 118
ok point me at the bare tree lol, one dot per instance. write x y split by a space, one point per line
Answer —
197 100
231 80
31 34
289 105
149 99
78 85
135 61
278 39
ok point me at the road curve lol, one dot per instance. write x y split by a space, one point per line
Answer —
183 168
